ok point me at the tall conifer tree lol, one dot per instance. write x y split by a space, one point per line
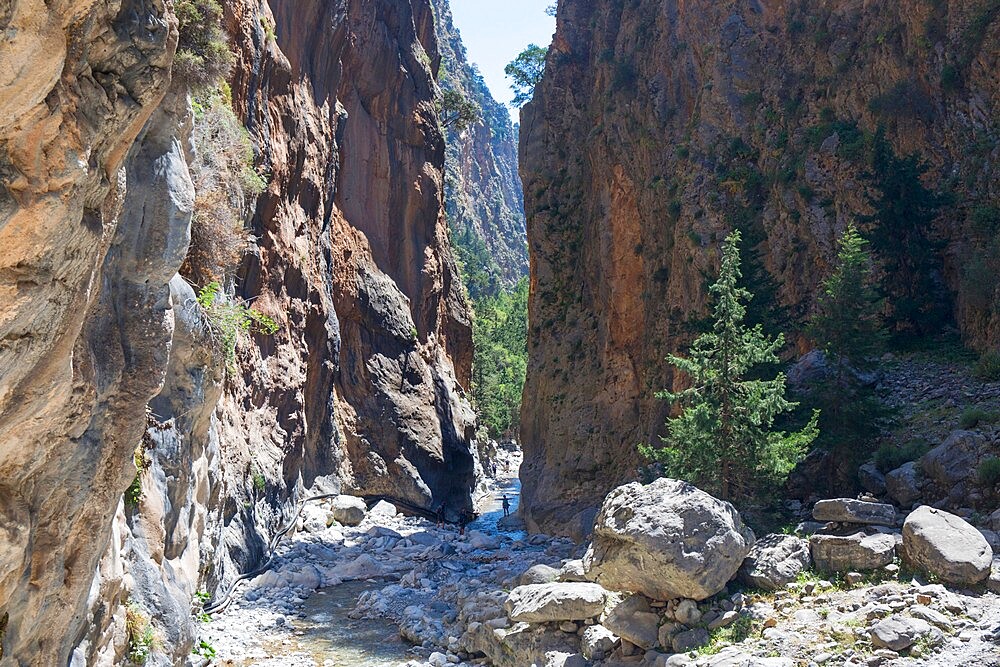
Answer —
723 440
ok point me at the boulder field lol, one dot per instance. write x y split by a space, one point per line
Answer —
633 597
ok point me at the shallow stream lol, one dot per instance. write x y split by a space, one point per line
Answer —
330 638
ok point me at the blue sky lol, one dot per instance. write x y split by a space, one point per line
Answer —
495 31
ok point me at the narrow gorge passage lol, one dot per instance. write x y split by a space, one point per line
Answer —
295 295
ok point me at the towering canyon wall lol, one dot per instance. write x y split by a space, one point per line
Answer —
86 318
483 197
106 351
660 126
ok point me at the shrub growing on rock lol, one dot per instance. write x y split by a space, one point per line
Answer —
888 457
988 367
229 317
203 57
724 441
226 184
989 472
140 635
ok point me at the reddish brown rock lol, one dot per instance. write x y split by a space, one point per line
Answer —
657 128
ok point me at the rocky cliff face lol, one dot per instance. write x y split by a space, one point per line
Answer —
86 318
106 350
483 195
660 126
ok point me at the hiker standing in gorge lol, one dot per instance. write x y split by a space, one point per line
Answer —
506 506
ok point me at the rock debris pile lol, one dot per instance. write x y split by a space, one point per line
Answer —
672 577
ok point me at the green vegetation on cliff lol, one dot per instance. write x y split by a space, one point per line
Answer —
526 71
203 56
500 334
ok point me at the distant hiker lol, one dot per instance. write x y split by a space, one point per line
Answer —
464 517
439 512
506 506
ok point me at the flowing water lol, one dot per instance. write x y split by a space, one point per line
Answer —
332 639
328 637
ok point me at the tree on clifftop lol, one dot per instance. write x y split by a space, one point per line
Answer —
723 440
526 71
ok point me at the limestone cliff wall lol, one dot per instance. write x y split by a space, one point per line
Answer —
86 319
103 347
657 127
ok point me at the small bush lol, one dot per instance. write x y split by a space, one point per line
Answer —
133 494
259 483
889 457
951 78
985 220
988 367
139 632
203 57
230 317
989 471
973 417
204 650
201 598
227 185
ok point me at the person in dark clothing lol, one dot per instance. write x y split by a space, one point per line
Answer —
506 506
439 511
464 517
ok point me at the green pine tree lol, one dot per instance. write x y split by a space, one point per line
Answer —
723 440
847 325
526 71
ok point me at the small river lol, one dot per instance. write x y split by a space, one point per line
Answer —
329 637
333 639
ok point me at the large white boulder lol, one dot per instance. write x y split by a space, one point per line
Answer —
349 510
946 545
848 510
848 553
666 540
544 603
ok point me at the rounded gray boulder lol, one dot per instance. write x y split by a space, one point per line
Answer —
666 540
946 546
349 510
775 561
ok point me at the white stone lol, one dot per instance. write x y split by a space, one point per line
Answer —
348 510
544 603
947 546
667 539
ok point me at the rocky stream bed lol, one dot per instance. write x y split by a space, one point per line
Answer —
394 591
